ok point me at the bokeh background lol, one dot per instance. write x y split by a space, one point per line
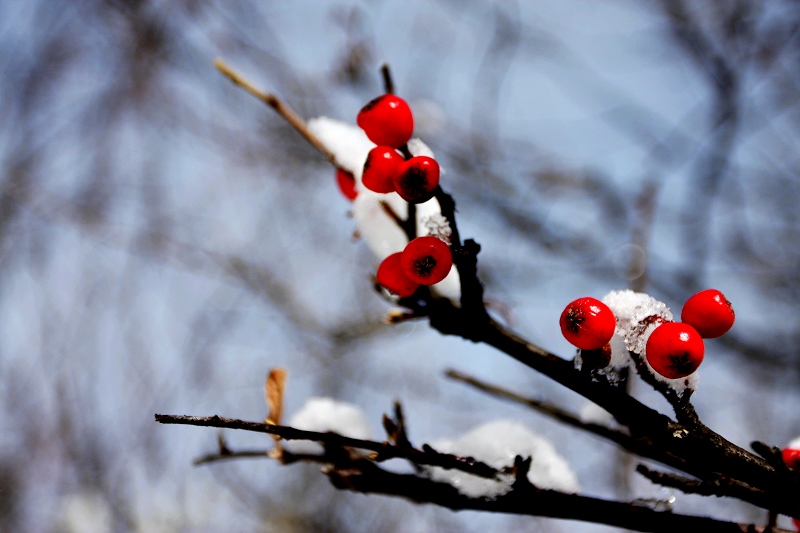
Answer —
165 239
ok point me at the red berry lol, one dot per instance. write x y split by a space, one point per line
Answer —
380 168
417 179
347 184
387 121
796 523
709 312
392 277
675 349
588 323
427 260
791 456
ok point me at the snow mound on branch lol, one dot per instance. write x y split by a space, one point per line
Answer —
638 314
327 414
377 227
591 413
348 143
497 444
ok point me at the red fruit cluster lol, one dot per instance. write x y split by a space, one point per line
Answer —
676 349
424 261
388 122
588 323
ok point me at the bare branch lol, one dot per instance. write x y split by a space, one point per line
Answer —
295 120
384 450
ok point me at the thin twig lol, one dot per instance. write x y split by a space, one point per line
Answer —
384 450
388 83
295 120
239 454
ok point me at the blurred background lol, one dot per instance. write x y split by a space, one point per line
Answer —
165 239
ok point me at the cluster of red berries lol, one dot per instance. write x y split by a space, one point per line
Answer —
424 261
388 122
674 349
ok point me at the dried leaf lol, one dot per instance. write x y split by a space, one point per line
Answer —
273 392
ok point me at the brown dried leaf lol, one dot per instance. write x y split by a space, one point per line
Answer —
273 392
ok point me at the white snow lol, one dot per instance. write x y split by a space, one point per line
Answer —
497 444
591 413
348 143
794 444
637 315
378 229
326 414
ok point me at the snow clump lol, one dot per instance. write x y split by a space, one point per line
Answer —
497 444
638 314
327 414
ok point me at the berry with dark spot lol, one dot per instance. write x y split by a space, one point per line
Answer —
380 168
387 121
417 179
588 323
346 183
392 277
709 312
426 260
675 349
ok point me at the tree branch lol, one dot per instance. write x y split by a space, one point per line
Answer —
384 450
280 107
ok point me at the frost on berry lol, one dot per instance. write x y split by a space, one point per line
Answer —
437 226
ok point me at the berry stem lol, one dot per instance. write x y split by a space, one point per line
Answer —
295 120
388 83
405 151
